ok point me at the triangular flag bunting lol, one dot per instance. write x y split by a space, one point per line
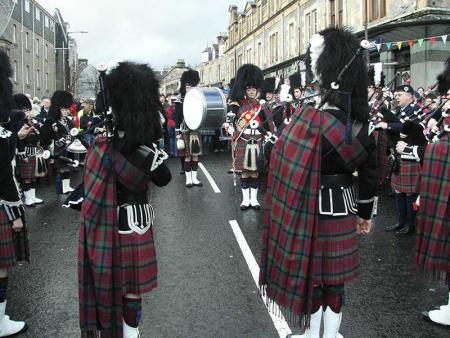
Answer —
410 43
420 42
399 45
444 38
388 45
433 40
379 45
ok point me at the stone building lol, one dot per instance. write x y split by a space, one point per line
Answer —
29 40
274 34
170 81
213 69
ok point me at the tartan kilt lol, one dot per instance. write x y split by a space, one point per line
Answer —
408 178
186 152
138 256
27 169
336 254
239 150
382 156
14 246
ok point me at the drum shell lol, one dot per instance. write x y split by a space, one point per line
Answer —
213 108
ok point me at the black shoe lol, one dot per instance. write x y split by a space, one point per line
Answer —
199 184
405 230
181 172
244 207
256 207
190 185
391 228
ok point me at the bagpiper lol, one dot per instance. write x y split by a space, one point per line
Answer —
116 253
310 224
247 140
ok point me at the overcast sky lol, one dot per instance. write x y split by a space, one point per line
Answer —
154 31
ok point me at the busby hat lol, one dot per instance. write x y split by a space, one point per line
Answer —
189 77
444 79
133 94
60 99
22 102
247 76
6 99
295 81
328 53
268 87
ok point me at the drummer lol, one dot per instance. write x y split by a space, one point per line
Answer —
189 143
55 133
30 163
248 138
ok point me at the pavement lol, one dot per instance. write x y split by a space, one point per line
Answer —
205 286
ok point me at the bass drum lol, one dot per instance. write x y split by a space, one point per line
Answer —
204 108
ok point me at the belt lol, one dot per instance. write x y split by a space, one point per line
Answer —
124 197
335 181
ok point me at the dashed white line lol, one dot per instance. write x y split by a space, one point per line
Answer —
278 320
210 179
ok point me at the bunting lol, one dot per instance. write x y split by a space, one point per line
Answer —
399 44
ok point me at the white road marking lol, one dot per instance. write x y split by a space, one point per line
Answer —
210 179
278 321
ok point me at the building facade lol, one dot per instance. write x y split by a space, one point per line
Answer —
29 39
274 35
170 81
33 42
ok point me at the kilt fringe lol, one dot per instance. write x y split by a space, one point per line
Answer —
301 321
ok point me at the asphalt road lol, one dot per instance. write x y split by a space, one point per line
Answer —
205 286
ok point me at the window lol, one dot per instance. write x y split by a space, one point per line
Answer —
376 9
46 21
249 58
239 60
14 35
291 39
37 47
38 14
15 71
46 52
315 23
27 6
46 81
259 54
332 13
340 13
38 77
26 41
27 78
308 25
273 48
219 73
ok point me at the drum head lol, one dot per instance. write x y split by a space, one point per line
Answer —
194 107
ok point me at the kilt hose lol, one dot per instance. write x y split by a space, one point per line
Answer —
239 150
139 269
14 246
186 137
408 178
336 255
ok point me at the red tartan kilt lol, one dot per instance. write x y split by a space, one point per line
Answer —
27 169
187 150
336 255
408 178
239 152
14 246
139 269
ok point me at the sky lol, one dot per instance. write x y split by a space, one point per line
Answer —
158 32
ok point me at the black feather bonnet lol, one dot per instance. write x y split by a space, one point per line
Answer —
189 77
248 75
444 79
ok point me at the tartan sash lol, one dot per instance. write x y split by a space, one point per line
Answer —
352 154
99 260
433 227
